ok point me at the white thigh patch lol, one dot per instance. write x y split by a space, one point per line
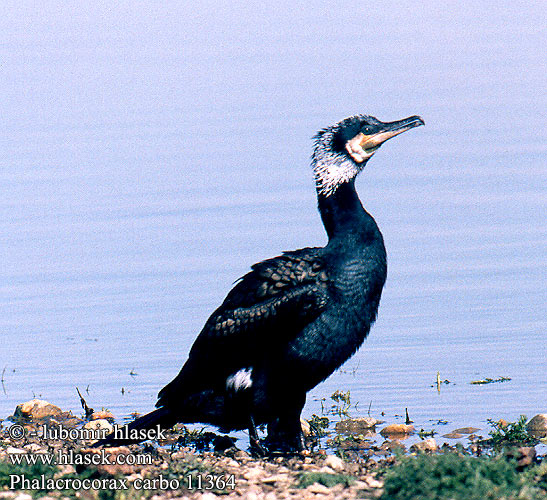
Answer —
240 380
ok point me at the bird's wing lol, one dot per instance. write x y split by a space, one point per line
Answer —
265 309
284 293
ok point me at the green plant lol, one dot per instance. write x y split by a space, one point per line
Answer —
509 433
318 425
326 479
452 476
30 472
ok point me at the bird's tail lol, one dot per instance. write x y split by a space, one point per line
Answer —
135 432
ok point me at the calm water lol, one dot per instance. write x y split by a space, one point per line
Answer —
150 155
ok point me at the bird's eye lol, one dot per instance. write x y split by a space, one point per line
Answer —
367 129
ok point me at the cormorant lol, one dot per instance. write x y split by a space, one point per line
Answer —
293 319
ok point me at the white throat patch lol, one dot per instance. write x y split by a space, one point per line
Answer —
240 380
332 168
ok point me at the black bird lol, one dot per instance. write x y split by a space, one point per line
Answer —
293 319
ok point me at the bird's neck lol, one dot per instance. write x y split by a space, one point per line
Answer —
343 215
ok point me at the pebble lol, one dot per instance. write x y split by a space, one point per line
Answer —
209 496
276 478
334 462
253 474
425 445
37 409
11 450
538 423
357 425
373 483
318 488
103 414
99 425
453 435
35 448
466 430
241 455
397 430
305 427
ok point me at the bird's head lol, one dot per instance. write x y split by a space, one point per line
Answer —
343 149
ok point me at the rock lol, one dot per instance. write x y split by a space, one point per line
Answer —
429 445
318 488
373 483
12 451
466 430
397 430
241 455
22 496
37 409
113 465
99 425
334 462
538 423
253 474
453 435
393 445
208 496
525 455
102 415
276 478
35 448
362 425
305 427
70 422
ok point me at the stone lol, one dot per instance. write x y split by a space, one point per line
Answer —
10 450
305 427
35 448
241 455
453 435
373 483
466 430
208 496
525 456
429 445
37 409
253 474
7 495
113 467
397 430
276 478
318 488
363 425
393 446
334 462
103 414
99 425
538 423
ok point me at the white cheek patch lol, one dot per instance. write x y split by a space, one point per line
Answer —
354 149
240 380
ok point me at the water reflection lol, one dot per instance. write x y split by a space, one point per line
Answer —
147 162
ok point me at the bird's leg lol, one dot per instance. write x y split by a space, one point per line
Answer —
285 435
254 440
285 432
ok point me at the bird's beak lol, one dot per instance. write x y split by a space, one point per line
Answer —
371 143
